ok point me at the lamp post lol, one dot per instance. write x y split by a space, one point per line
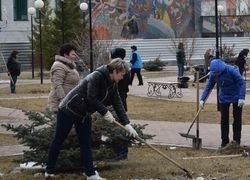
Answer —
39 5
216 30
220 10
62 4
217 47
84 6
32 11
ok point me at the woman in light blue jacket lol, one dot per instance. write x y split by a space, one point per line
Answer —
232 90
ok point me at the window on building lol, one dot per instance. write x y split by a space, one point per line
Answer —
20 10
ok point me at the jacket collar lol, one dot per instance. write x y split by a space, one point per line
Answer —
105 72
65 61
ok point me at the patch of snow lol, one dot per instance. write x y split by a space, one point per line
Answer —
31 165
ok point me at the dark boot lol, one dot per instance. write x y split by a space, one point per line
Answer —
237 124
224 143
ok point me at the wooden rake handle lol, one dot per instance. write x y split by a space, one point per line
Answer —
158 151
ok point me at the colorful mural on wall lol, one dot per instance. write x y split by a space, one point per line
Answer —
142 18
231 7
235 17
229 24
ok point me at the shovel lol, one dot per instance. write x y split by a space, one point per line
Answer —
158 151
194 119
191 125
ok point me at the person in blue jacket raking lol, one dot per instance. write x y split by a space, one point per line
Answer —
232 90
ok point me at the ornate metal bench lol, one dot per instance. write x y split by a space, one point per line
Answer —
154 88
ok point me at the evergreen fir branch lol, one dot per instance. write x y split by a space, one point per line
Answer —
38 133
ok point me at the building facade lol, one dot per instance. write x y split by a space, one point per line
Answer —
146 19
15 25
14 20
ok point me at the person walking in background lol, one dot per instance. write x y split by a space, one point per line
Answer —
136 65
14 70
123 88
123 84
241 61
64 75
232 91
208 56
181 59
94 93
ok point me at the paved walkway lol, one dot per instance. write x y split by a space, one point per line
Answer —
167 133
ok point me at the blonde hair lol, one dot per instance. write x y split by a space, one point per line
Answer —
119 65
208 50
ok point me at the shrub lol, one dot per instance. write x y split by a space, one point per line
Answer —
38 133
155 65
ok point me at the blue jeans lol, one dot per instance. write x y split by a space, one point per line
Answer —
180 70
83 130
121 152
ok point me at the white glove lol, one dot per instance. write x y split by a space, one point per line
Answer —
241 102
201 103
131 130
96 176
109 117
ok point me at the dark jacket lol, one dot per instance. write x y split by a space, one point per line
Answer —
13 66
241 60
123 89
123 85
180 57
94 93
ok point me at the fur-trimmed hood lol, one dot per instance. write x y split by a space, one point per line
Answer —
66 61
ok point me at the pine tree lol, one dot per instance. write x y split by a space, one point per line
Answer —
52 28
76 31
38 133
47 26
72 20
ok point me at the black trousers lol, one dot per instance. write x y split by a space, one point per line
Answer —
83 131
136 71
13 80
237 123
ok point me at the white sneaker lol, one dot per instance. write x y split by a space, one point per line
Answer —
47 175
95 177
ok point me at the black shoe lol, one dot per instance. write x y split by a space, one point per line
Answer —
237 142
223 144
